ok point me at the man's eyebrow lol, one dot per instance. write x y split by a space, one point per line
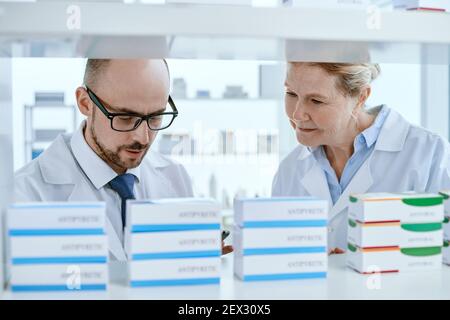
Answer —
119 109
128 111
158 111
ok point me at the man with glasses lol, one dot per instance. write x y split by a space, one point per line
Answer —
109 158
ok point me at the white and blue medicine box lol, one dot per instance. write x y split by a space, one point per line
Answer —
173 242
280 238
173 215
174 272
56 246
280 253
71 276
56 218
280 212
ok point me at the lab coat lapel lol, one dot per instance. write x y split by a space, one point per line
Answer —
315 182
391 139
360 183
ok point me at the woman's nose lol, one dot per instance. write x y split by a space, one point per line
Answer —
299 113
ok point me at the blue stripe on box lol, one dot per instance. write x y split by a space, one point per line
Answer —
264 251
174 227
57 206
58 260
285 224
175 255
41 288
55 232
285 276
175 282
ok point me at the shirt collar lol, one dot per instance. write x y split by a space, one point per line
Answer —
370 135
97 170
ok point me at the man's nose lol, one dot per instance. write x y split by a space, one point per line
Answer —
142 133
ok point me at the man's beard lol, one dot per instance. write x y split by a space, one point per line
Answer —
113 158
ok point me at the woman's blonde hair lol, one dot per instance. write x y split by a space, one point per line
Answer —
352 78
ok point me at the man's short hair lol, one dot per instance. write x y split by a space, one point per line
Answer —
95 68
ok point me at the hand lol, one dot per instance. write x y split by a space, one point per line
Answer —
226 249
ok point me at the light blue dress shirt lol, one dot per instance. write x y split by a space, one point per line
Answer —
363 146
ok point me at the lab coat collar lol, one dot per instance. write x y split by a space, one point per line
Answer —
392 138
393 133
96 170
54 162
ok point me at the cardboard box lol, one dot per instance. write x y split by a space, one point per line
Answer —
393 207
174 272
446 195
334 4
394 259
280 266
446 227
59 277
440 5
212 2
56 218
57 248
280 212
173 215
255 239
178 244
446 252
395 234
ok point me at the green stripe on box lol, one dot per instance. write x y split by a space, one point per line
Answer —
352 223
422 227
444 195
421 252
424 202
351 247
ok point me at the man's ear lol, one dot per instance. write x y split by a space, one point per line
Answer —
83 102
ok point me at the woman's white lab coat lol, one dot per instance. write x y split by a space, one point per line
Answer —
405 158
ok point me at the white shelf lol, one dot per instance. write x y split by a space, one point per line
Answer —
223 32
341 283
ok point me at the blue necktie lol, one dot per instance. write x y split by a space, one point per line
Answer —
123 185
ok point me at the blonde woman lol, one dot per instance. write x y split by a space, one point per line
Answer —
347 148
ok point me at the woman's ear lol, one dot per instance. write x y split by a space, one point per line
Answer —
363 96
83 101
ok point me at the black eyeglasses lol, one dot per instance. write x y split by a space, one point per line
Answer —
126 122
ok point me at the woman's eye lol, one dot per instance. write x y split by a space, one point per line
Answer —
124 118
291 94
316 101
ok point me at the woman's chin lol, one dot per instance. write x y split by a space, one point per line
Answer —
308 142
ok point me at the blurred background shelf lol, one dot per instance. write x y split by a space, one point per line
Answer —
43 29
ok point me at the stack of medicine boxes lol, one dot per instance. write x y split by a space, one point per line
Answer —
446 248
395 232
280 238
431 5
173 242
57 246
